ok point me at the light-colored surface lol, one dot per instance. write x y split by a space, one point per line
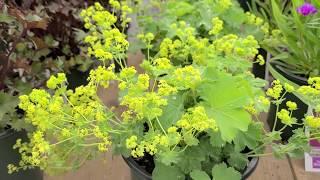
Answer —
105 168
301 174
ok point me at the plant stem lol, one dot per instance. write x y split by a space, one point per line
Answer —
276 120
161 126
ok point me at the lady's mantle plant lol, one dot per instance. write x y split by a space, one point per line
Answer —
209 18
193 120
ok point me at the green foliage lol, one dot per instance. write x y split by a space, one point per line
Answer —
250 138
224 104
222 172
160 18
173 112
199 175
163 172
190 112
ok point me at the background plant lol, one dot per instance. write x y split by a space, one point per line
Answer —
161 18
38 38
194 120
294 36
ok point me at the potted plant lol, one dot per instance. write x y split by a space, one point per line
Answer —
160 18
195 120
293 28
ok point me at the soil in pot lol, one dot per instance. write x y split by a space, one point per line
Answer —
298 114
9 155
141 169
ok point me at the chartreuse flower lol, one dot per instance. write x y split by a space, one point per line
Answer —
313 122
285 117
225 4
106 42
217 26
276 90
197 119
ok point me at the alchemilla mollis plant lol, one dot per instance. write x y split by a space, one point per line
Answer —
207 17
197 119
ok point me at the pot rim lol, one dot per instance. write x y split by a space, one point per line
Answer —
292 77
251 166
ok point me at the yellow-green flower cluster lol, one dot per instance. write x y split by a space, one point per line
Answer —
291 105
217 26
179 48
106 41
74 122
225 4
146 39
276 90
197 119
311 92
151 145
164 89
285 117
253 19
102 76
231 44
147 105
187 77
313 122
32 153
53 82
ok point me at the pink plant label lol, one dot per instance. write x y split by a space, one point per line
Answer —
315 143
316 162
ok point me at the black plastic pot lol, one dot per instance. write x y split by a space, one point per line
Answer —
77 78
9 155
138 173
298 114
244 4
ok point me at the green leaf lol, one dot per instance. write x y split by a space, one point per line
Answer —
224 99
8 103
215 139
190 140
192 158
238 160
163 172
173 111
199 175
222 172
169 157
184 8
251 138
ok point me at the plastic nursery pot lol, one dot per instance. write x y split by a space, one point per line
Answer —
298 114
138 173
77 78
9 155
244 4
